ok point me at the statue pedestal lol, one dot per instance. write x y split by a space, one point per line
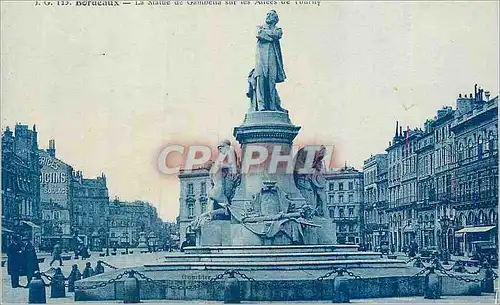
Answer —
273 131
267 208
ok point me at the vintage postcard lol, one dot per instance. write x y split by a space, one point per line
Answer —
249 151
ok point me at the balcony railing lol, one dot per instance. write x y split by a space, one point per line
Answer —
346 219
377 226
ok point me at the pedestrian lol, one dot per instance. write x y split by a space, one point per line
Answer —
88 271
74 276
14 256
99 268
56 255
84 252
30 260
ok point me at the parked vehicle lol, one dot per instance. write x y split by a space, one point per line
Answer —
430 252
485 250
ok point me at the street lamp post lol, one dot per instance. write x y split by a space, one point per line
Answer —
445 223
107 236
126 243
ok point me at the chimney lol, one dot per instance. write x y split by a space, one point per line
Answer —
52 148
396 134
400 131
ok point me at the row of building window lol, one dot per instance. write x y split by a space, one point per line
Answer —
474 188
466 148
190 188
17 183
24 207
350 198
370 177
92 192
471 218
341 212
374 195
350 186
190 207
48 215
346 228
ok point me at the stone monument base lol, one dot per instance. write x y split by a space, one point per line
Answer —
227 233
272 283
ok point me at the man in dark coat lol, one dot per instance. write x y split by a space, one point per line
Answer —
30 260
88 271
85 252
14 262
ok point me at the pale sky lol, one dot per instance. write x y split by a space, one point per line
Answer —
114 85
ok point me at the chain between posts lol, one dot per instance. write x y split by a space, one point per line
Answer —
421 272
244 276
336 271
108 265
460 278
473 272
104 284
46 275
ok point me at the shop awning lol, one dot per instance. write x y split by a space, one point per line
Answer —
475 229
29 223
5 230
57 237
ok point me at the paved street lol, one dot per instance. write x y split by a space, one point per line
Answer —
20 295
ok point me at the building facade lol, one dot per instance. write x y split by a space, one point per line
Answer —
193 198
443 180
55 198
474 196
376 229
21 211
90 210
345 204
129 219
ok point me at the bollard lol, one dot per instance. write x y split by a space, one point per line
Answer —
36 294
74 276
341 288
99 268
418 262
131 290
488 283
459 267
432 285
57 289
232 289
436 264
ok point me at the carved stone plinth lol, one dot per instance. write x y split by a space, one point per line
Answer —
274 131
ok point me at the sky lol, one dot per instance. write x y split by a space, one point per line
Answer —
114 85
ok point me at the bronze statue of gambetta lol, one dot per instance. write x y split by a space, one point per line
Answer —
268 69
